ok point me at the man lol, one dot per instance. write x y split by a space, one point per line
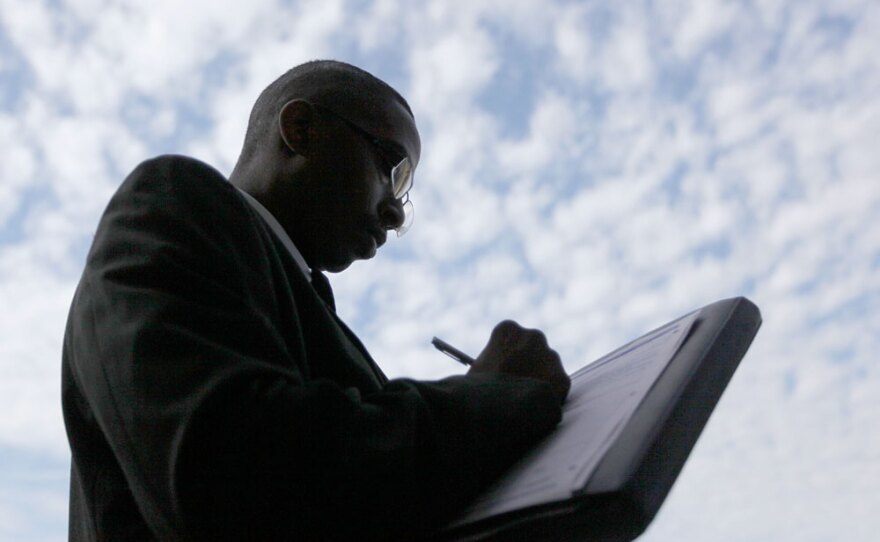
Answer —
209 389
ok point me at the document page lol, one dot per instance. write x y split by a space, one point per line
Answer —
603 397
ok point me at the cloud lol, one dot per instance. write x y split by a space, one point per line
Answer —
590 169
17 168
450 69
698 23
553 130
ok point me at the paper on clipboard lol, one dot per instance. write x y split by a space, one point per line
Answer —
603 397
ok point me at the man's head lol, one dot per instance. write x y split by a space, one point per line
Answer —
320 145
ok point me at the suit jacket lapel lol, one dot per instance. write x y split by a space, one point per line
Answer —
320 287
325 292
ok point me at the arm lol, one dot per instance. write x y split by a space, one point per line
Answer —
219 432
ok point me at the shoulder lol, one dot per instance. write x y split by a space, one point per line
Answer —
171 165
177 184
176 198
175 173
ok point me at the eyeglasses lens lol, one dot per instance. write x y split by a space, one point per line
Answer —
401 178
408 214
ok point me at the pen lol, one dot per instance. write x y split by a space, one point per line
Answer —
452 351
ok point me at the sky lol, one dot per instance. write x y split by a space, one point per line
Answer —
592 169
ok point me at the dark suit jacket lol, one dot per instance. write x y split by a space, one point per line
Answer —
209 393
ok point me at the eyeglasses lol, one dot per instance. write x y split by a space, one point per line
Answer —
401 175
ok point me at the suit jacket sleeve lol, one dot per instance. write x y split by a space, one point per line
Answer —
220 429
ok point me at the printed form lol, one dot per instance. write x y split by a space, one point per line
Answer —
604 395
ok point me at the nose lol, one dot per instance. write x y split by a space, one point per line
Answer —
391 213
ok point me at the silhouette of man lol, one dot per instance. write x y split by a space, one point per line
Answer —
210 392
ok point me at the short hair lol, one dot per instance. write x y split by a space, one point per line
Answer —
328 83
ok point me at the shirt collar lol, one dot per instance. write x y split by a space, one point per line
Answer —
275 226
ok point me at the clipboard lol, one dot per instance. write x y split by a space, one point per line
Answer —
617 497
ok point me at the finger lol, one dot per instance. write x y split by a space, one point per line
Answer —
506 328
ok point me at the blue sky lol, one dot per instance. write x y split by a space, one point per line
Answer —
593 169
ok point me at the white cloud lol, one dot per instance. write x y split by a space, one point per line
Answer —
552 131
382 24
606 216
574 48
625 63
16 169
699 23
448 69
31 325
601 48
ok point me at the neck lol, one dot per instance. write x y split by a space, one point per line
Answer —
251 176
266 182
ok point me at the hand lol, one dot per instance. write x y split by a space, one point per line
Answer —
517 351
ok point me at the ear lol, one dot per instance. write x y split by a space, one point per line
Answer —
294 122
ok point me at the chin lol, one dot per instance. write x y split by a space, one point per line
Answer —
342 260
337 268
